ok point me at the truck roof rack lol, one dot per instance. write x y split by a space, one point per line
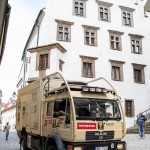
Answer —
72 83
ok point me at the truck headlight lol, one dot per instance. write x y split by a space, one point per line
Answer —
70 147
120 146
74 148
78 148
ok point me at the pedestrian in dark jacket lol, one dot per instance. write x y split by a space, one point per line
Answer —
141 124
7 128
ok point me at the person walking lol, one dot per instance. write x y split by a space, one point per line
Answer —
7 128
141 124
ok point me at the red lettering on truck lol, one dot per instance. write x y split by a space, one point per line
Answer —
86 125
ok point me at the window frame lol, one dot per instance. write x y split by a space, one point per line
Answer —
127 20
138 38
90 30
127 10
38 60
139 67
43 62
132 109
91 60
117 64
115 34
84 8
104 5
64 24
62 107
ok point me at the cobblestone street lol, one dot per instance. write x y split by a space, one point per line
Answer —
11 144
133 142
136 143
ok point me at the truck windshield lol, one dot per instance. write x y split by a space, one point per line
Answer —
96 109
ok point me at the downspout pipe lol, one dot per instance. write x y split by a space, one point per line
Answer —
36 27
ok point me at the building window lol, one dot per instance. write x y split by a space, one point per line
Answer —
129 108
138 73
43 61
79 8
117 70
88 69
88 66
104 10
63 33
136 43
61 65
116 73
115 40
127 20
64 30
127 16
90 35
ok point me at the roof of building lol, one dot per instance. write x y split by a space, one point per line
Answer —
7 106
48 47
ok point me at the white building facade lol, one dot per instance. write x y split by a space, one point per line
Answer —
87 39
9 115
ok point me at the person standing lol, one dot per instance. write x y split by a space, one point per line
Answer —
141 123
7 128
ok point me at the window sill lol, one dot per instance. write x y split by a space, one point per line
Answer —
136 53
63 40
87 77
139 82
91 45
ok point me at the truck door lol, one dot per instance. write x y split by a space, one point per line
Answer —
25 111
62 117
48 118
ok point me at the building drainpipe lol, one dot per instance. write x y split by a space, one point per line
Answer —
24 62
38 35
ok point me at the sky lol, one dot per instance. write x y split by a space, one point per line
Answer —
22 18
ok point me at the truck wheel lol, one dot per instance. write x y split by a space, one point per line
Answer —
23 144
51 147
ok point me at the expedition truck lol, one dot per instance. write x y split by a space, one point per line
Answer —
56 114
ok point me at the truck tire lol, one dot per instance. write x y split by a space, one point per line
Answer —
23 143
51 147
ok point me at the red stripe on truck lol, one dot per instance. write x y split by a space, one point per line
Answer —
86 125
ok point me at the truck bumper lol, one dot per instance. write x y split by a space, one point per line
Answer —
108 145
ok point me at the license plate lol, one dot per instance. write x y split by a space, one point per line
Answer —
102 148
